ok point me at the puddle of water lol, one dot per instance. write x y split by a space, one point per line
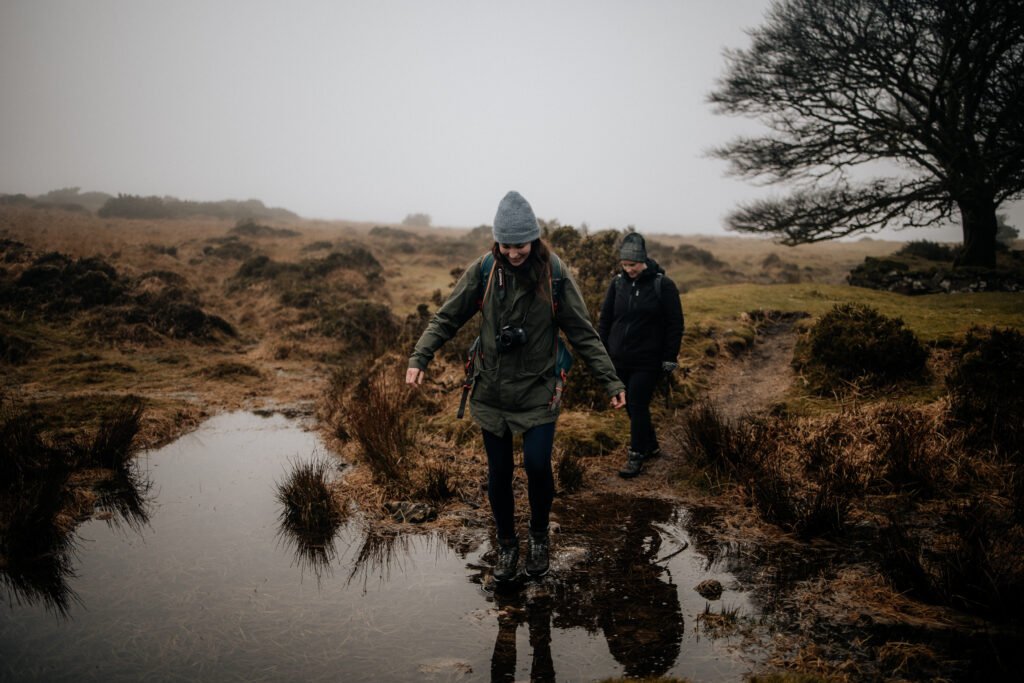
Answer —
209 590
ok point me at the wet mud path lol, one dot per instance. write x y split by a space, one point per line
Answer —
760 377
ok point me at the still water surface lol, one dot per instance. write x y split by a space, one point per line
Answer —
209 589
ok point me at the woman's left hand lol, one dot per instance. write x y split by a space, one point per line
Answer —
619 400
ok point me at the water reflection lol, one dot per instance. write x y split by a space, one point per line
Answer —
39 544
213 587
310 516
609 576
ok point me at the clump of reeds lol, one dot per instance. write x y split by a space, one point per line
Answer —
803 480
378 420
310 514
113 444
308 505
909 449
724 622
439 483
710 440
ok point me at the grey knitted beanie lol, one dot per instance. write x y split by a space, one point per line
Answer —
515 223
633 248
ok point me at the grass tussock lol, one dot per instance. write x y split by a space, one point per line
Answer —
439 482
310 514
379 420
945 514
308 506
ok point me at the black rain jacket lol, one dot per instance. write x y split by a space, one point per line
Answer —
640 329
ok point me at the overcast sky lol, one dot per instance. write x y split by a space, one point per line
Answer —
374 109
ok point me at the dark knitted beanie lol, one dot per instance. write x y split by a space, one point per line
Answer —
515 223
633 248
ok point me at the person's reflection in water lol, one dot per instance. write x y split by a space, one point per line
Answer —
641 617
513 610
620 589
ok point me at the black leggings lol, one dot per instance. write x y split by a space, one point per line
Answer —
537 443
640 385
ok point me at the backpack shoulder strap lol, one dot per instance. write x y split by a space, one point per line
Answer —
486 271
556 282
657 285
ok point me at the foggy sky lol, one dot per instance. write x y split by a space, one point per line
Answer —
375 109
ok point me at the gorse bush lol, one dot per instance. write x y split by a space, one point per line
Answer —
986 389
594 260
931 251
854 345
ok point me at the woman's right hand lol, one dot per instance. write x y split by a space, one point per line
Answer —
414 376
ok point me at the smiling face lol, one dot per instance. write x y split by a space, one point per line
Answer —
515 253
633 268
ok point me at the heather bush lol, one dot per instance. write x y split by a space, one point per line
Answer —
986 389
853 346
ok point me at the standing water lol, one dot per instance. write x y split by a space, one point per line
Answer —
209 589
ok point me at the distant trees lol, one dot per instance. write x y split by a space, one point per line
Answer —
134 206
934 85
421 220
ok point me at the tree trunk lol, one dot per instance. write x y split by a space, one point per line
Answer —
980 225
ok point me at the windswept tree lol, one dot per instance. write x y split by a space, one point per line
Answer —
936 86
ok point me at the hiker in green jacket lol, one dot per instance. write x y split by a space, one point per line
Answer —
516 384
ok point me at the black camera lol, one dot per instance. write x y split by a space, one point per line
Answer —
510 337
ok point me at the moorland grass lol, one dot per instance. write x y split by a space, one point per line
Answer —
932 317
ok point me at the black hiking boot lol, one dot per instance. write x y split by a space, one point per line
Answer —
508 559
634 463
537 553
653 453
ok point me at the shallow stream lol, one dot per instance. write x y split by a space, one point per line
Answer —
209 588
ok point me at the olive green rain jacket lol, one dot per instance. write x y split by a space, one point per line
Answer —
513 390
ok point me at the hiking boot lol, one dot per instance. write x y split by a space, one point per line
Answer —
653 453
508 559
634 463
537 554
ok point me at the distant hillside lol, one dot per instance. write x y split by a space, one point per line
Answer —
136 206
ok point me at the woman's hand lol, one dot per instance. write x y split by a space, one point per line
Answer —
414 376
619 400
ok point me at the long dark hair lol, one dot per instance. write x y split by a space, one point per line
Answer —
538 261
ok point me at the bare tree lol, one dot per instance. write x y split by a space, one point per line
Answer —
935 85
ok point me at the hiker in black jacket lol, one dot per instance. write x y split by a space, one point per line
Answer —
641 325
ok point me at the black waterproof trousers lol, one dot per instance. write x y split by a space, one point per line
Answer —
640 386
537 444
